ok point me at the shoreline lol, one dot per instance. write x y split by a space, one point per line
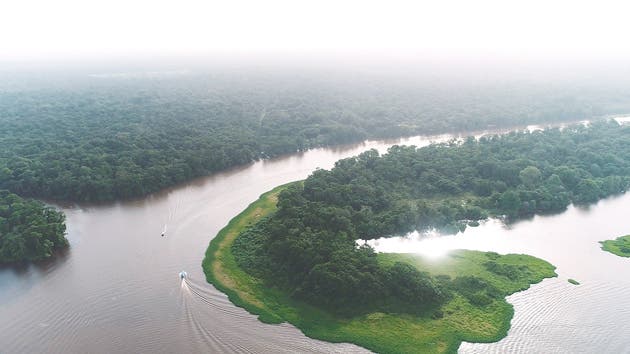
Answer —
379 332
619 246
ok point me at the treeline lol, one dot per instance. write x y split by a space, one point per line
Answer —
105 138
29 230
448 185
308 247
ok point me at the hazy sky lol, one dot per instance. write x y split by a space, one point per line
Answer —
33 30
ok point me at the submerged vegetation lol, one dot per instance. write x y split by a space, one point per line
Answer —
100 138
29 230
472 286
619 246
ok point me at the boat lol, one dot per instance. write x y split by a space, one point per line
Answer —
183 274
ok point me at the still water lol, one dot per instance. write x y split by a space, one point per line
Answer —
117 289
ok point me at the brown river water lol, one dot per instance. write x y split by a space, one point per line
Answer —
117 289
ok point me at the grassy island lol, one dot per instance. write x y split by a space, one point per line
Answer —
472 284
619 246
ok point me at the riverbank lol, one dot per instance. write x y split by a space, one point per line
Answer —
619 246
477 315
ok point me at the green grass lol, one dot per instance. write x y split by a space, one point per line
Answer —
220 266
574 282
619 246
381 332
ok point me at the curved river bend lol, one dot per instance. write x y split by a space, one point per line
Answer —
117 289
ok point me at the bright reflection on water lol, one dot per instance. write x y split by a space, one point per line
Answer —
553 316
622 120
432 244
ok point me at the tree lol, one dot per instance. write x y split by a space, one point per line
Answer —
510 203
530 176
29 230
587 191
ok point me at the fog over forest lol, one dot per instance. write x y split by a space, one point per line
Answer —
122 129
134 134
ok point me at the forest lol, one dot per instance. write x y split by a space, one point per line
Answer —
29 230
96 138
309 247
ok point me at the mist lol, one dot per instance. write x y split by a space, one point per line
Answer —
572 35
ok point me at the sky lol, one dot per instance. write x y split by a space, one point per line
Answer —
533 29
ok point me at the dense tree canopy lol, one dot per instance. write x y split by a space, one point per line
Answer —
29 230
309 245
100 138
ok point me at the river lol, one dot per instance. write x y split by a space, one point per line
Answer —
117 289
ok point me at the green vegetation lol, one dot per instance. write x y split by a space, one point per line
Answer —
619 246
221 269
574 282
106 138
450 185
473 283
306 251
308 246
29 230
